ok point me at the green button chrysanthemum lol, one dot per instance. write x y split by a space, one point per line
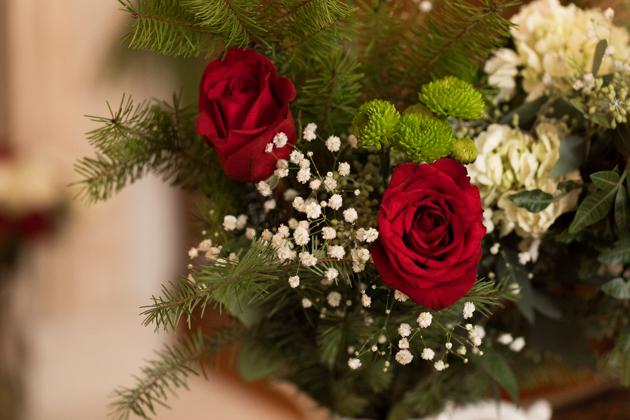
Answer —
454 97
423 138
464 151
374 123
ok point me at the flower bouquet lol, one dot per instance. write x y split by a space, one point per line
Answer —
403 204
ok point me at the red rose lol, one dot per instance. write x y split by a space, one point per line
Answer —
431 229
243 105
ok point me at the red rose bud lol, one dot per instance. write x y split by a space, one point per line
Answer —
431 230
243 105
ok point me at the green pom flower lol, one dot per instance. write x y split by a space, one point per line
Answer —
423 138
374 123
464 151
452 96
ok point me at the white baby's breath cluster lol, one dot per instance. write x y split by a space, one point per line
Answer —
555 46
509 161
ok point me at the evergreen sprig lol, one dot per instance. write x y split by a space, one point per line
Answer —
219 283
456 40
170 371
150 137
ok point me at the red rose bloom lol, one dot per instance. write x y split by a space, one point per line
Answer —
431 229
243 105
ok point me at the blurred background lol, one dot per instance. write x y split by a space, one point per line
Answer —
73 277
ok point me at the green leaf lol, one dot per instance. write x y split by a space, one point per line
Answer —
605 180
534 201
257 360
621 139
619 255
593 209
600 120
568 186
544 305
600 50
496 366
511 269
622 209
579 105
624 341
526 113
617 288
572 154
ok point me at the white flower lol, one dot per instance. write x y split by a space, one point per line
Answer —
502 69
344 169
313 210
330 182
264 188
304 223
518 344
241 221
306 303
469 308
335 202
278 240
357 267
270 205
371 235
439 365
476 341
331 274
448 346
609 14
212 253
480 331
350 215
403 343
366 300
589 81
250 233
296 157
315 184
281 173
469 327
193 253
329 233
298 203
305 164
309 132
425 6
505 339
404 330
524 257
301 236
360 235
307 259
404 357
610 50
284 231
401 297
282 164
229 222
333 143
336 251
285 253
266 235
333 298
424 320
360 255
294 281
304 175
494 249
354 363
352 141
269 148
204 245
290 194
578 84
293 223
461 350
280 140
427 354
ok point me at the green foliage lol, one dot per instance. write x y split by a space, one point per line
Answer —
454 97
593 209
509 270
600 50
619 255
170 371
455 40
375 123
497 367
534 201
622 209
158 138
256 360
605 180
617 288
423 138
572 155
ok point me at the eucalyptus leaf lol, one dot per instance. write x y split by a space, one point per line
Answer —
514 271
257 360
534 201
622 209
600 50
619 255
605 180
572 154
617 288
593 209
496 366
544 305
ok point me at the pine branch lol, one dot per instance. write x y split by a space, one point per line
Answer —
149 137
220 283
170 371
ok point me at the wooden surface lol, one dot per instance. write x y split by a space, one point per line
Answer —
613 404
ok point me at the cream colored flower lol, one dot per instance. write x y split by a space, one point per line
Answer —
502 68
556 45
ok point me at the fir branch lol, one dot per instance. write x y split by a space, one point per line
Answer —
220 283
149 137
170 371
